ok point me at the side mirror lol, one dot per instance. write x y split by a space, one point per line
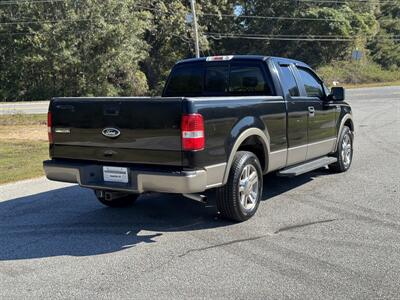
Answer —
337 94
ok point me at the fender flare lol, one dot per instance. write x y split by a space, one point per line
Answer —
241 138
344 120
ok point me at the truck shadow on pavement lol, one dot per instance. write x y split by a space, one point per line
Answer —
70 222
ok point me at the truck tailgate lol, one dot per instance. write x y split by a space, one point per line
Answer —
148 128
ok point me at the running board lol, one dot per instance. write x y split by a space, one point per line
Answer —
307 166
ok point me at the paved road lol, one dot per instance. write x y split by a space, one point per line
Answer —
36 107
316 236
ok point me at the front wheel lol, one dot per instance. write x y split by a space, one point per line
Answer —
239 199
344 152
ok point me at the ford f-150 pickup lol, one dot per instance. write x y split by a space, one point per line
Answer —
221 123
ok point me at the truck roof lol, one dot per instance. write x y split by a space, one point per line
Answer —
281 60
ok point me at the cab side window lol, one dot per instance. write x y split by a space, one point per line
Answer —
288 81
312 85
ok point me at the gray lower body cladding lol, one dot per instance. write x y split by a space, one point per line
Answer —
140 179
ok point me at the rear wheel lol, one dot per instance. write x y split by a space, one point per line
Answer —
110 198
344 152
238 200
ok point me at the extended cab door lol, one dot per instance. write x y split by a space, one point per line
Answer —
297 115
321 116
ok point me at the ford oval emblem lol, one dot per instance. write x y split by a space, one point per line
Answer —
111 132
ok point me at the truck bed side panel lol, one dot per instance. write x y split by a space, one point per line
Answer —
225 118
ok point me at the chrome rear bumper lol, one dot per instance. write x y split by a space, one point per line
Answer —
140 180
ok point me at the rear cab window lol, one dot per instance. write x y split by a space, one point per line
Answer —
185 80
216 79
235 78
248 79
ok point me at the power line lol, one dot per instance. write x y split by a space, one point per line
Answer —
4 3
226 15
344 2
274 38
301 35
28 2
224 35
283 37
217 36
14 2
272 18
275 18
19 22
60 21
47 21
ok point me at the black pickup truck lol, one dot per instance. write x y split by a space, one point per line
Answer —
221 123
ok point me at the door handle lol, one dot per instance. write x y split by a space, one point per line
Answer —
311 111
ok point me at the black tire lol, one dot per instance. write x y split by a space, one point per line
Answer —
124 201
342 164
229 197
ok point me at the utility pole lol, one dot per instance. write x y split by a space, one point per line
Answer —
196 34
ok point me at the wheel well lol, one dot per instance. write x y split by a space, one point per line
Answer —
254 144
349 124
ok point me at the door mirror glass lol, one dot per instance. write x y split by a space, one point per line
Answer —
337 94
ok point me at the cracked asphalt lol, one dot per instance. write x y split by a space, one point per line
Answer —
320 235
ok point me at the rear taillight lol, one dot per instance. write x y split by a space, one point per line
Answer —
49 127
192 127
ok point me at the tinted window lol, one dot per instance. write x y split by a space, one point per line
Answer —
247 80
289 82
216 81
311 84
185 81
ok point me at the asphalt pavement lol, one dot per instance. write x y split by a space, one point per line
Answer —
316 236
34 107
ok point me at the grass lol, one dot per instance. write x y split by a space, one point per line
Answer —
22 119
23 146
363 74
21 160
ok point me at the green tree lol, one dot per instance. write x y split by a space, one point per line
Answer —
127 47
72 48
282 34
385 46
169 38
